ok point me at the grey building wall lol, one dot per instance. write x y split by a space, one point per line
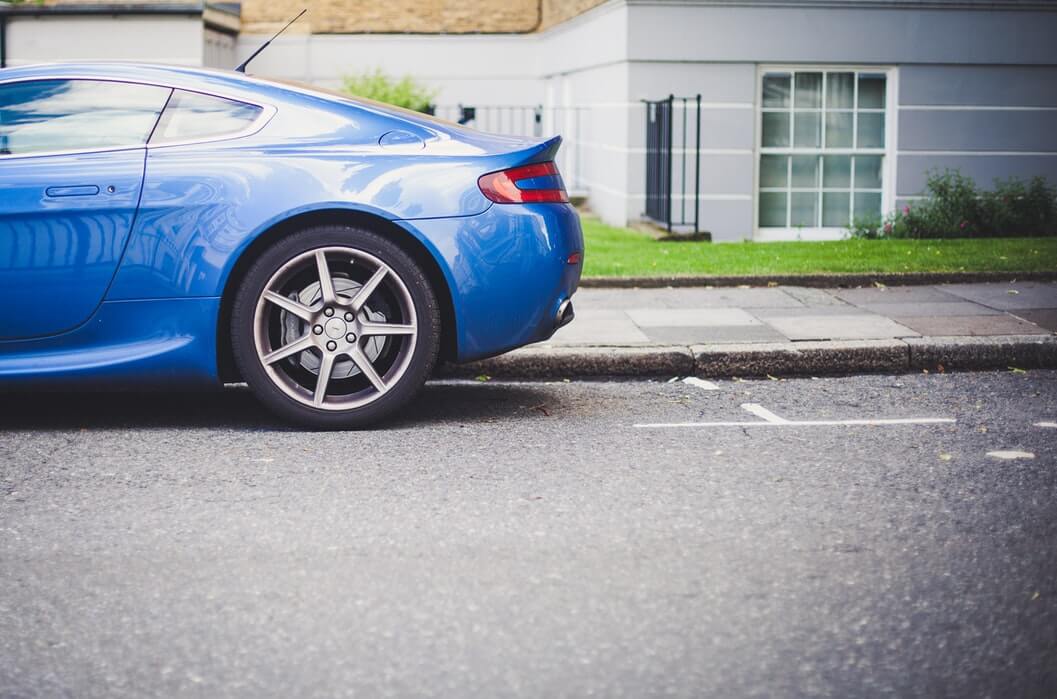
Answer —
976 84
987 122
727 140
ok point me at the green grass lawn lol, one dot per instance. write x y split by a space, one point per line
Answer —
620 252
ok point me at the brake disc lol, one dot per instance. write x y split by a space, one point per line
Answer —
294 328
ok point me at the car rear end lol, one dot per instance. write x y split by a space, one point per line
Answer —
512 268
539 189
492 210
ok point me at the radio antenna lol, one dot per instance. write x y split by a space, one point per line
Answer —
242 66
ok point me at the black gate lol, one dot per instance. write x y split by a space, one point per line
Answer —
669 159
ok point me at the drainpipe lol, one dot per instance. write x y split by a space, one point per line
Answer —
3 41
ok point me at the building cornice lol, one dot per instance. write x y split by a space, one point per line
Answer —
33 9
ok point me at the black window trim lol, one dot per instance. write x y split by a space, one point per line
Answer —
265 115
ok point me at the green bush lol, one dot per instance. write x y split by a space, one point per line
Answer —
955 208
866 227
404 92
1014 208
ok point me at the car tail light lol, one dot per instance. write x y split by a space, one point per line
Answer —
528 184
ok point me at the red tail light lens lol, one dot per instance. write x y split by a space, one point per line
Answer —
528 184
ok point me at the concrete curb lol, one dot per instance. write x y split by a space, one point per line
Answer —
777 359
560 362
801 358
1022 351
816 280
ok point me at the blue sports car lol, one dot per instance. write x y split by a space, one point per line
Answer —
188 227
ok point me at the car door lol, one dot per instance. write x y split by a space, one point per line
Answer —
72 158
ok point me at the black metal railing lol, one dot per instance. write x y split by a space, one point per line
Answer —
529 120
673 198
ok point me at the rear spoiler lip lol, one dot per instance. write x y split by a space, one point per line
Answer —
543 151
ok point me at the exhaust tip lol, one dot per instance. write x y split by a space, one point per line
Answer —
565 314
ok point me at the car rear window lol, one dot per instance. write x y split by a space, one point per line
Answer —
192 116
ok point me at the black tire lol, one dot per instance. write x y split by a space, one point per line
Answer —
282 385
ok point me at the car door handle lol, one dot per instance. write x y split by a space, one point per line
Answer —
83 190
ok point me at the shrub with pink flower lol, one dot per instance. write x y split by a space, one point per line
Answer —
956 208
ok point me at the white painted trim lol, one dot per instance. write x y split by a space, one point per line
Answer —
720 197
977 152
891 174
972 108
780 235
638 150
705 106
624 194
757 131
614 105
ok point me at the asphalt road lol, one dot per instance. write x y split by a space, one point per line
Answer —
528 539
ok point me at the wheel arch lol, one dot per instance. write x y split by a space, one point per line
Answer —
414 247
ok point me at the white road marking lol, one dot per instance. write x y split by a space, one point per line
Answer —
703 385
762 412
772 420
808 423
1046 424
1011 454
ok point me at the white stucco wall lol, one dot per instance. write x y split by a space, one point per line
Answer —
219 49
498 68
157 39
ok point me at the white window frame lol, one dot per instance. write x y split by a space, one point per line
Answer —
889 152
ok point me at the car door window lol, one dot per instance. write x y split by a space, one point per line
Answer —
192 116
77 115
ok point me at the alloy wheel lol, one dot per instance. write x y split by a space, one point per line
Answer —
335 328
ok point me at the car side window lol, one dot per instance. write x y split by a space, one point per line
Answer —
190 116
42 116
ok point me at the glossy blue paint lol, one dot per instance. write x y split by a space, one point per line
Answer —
164 342
61 236
509 265
134 292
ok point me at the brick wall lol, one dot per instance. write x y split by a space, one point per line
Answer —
410 16
556 11
393 16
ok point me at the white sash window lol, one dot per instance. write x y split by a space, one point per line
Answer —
823 145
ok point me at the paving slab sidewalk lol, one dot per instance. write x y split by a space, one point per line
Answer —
793 330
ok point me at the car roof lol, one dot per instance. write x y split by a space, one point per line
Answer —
192 78
229 83
225 83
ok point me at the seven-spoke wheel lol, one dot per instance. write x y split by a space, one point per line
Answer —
342 324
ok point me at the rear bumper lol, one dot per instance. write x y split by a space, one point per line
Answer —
508 272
